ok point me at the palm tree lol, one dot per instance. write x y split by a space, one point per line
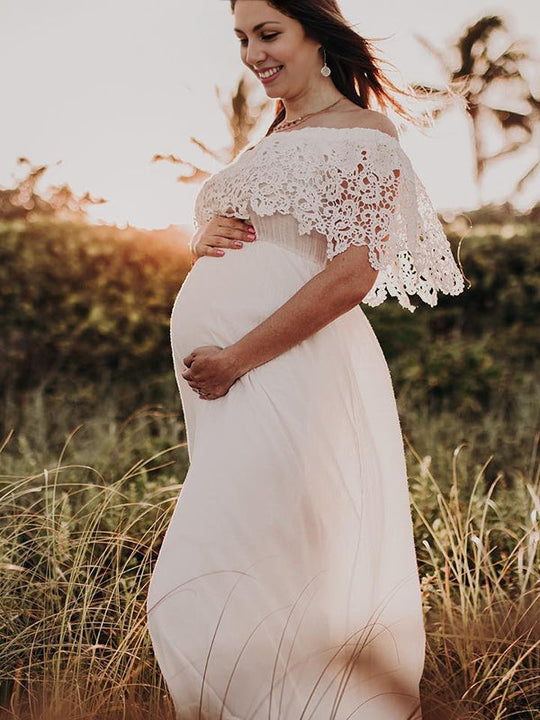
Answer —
24 202
242 118
482 69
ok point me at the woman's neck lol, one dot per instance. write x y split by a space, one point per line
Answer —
295 108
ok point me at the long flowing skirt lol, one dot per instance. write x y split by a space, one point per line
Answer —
286 587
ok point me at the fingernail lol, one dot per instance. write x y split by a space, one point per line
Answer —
238 243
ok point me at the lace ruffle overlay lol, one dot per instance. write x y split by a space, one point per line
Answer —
355 186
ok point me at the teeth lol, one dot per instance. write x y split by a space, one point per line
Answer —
269 73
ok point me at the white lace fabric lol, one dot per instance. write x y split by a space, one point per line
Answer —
355 186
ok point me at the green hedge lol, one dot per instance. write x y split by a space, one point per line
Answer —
88 300
467 352
83 298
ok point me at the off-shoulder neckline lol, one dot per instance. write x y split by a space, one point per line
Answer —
325 127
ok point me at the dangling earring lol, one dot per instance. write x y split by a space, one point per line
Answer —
325 70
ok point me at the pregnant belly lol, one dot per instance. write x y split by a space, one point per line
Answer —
223 298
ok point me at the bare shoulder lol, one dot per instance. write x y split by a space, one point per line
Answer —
383 123
376 120
364 118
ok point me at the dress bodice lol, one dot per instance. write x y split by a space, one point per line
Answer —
283 230
317 190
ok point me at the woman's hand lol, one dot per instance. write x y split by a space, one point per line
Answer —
221 232
212 370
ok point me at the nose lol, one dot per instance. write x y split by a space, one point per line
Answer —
254 56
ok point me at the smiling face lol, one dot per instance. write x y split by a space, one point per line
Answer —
270 40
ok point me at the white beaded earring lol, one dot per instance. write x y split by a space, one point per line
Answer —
325 70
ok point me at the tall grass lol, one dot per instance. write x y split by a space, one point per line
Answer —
78 541
75 562
120 420
480 566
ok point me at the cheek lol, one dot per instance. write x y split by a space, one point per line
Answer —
284 52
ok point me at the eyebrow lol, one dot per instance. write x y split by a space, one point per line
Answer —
259 25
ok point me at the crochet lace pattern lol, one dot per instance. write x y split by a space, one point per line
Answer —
356 186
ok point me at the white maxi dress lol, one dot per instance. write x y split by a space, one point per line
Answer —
286 586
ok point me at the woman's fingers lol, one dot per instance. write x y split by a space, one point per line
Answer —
237 230
224 232
190 381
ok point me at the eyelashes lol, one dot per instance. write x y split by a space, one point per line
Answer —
264 37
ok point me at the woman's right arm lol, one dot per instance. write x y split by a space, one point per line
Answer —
220 232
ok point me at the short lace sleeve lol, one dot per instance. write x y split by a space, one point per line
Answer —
355 186
374 197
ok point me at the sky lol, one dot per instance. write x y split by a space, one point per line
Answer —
95 89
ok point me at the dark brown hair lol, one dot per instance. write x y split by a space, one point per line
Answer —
354 65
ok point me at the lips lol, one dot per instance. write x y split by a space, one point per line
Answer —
277 69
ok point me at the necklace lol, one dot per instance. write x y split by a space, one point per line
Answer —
284 124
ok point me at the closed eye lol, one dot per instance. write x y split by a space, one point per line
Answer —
264 37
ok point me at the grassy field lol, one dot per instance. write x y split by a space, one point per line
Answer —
93 456
88 484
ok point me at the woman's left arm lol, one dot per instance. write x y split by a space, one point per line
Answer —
341 285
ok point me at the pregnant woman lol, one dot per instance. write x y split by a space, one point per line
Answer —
286 587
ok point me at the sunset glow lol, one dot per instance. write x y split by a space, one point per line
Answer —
102 87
